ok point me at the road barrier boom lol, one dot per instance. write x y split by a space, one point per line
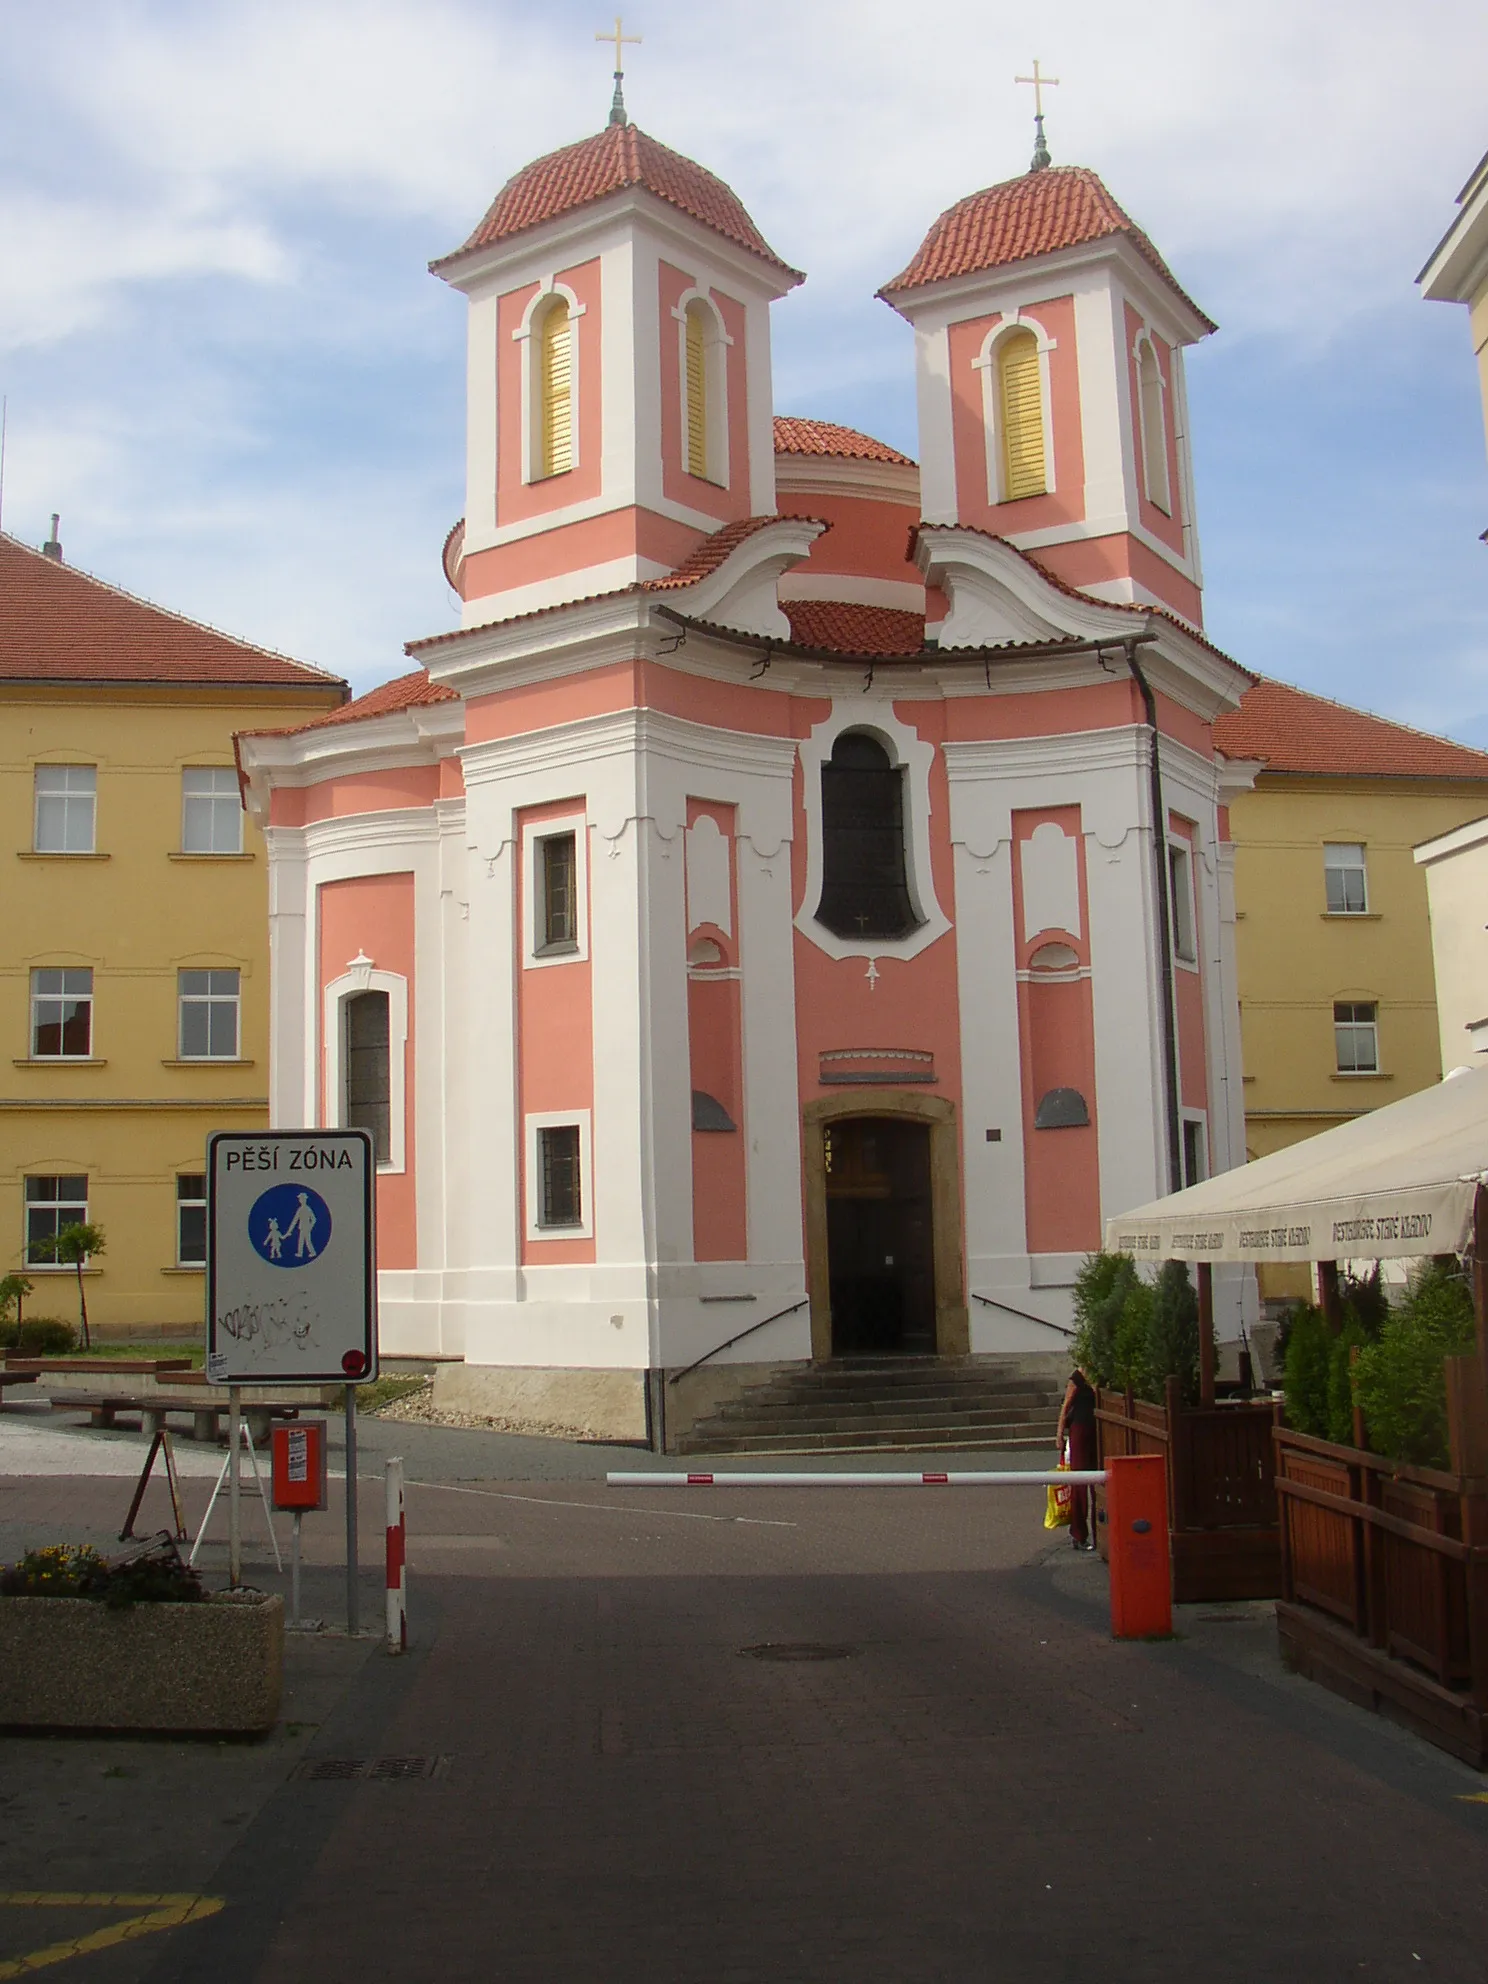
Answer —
1066 1477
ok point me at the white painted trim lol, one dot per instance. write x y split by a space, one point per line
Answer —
546 290
557 1119
986 362
534 831
716 344
362 975
916 755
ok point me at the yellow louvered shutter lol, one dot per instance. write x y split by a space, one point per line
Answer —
555 368
697 395
1022 417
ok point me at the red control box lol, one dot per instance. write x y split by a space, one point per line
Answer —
299 1464
1137 1536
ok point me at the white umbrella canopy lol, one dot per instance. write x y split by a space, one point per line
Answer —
1397 1182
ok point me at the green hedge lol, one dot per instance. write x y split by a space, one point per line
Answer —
1399 1380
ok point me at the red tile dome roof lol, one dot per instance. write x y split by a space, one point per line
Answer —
1061 207
615 158
795 436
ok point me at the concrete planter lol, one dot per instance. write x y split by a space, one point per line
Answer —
71 1663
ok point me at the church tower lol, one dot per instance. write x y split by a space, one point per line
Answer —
1049 339
618 393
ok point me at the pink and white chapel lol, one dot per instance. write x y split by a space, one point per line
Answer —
793 909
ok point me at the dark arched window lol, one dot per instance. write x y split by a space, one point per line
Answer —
865 892
369 1070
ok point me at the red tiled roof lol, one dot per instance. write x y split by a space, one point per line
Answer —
1295 731
845 628
58 624
617 157
404 692
710 554
795 436
1037 214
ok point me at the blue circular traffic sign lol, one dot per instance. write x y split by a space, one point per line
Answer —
289 1226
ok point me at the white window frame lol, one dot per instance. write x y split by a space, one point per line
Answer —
209 999
70 800
361 975
1160 498
528 346
92 1053
211 798
1340 869
577 824
985 362
558 1119
715 363
1185 894
1353 1074
28 1266
1196 1119
181 1261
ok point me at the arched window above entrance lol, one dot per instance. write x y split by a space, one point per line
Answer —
865 886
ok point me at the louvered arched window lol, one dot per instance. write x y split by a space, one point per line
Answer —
865 887
1154 428
1020 404
695 326
555 381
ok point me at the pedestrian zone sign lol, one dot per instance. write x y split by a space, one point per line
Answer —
291 1260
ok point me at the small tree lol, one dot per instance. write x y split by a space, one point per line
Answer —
1101 1287
1309 1360
74 1246
14 1288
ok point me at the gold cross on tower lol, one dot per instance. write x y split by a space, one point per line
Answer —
620 39
1040 84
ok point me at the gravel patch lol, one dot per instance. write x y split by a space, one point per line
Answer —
419 1409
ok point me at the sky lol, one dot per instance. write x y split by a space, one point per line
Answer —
226 364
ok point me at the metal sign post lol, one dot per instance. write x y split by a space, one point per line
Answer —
292 1282
234 1485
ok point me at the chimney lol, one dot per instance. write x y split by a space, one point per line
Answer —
53 546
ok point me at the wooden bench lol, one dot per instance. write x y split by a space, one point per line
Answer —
16 1378
103 1409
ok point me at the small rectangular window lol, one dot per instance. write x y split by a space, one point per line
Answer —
62 1015
558 903
559 1184
66 809
369 1072
1346 878
1356 1038
51 1204
191 1219
1195 1152
211 811
1180 893
209 1002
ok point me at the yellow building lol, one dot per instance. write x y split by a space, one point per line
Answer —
1458 269
1333 940
134 969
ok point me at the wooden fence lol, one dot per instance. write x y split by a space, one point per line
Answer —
1222 1516
1385 1580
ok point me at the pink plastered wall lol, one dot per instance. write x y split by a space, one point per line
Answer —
344 793
626 685
1056 1026
555 1037
516 499
372 916
720 1222
973 437
575 547
1091 561
712 498
866 538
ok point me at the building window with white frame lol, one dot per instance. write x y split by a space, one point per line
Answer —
557 895
208 1004
555 424
1356 1037
1181 902
1152 394
191 1219
52 1204
369 1070
1195 1150
211 810
1346 878
66 809
1020 417
62 1014
560 1192
865 881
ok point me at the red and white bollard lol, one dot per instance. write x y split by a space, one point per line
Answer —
397 1560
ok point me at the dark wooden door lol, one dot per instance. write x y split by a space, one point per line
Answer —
881 1264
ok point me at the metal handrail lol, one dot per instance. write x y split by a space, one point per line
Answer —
1027 1318
677 1376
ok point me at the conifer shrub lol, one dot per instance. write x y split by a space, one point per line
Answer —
1399 1379
1308 1370
1136 1333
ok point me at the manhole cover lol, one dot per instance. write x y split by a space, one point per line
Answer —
380 1770
797 1650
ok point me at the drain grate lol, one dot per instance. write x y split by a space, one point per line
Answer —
798 1650
372 1770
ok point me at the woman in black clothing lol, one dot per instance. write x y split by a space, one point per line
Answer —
1077 1425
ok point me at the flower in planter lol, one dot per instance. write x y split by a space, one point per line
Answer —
155 1575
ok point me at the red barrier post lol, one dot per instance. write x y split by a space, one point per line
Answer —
1137 1532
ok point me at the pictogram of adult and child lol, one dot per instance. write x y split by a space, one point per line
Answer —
289 1226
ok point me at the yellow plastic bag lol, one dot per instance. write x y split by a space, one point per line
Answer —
1057 1508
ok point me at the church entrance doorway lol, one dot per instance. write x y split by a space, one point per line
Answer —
880 1236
